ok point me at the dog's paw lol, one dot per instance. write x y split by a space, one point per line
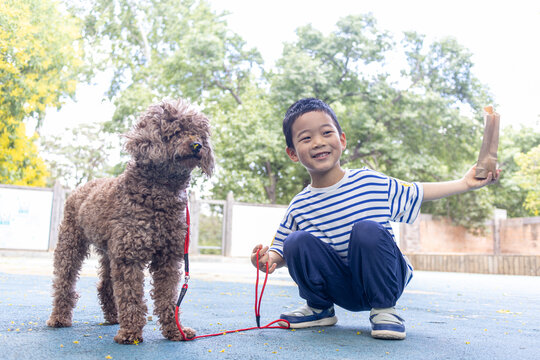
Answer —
128 338
189 332
58 322
176 336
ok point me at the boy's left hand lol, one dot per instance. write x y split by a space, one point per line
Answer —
474 183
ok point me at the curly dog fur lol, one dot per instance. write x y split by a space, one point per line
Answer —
134 221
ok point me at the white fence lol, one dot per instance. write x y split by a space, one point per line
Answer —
29 220
244 225
29 217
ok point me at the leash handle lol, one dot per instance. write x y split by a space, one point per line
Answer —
184 289
258 300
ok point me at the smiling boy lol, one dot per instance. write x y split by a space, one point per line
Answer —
336 238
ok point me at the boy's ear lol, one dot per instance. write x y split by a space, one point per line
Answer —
343 140
292 154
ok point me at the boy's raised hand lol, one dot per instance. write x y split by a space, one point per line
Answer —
474 183
264 258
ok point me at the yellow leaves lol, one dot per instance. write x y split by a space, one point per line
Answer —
19 156
40 58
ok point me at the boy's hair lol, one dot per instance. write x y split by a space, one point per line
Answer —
301 107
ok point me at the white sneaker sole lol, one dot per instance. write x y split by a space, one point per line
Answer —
388 334
321 322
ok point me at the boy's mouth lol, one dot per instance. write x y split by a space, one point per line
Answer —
321 155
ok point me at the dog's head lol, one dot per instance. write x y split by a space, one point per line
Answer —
172 135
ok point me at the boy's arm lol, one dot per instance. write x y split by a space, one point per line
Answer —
439 190
273 259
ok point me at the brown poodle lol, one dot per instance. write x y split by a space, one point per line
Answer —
135 220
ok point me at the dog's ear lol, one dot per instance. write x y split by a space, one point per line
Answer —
142 143
207 160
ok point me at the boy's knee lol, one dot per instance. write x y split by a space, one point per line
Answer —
367 234
295 241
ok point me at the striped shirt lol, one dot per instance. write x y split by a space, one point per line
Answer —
363 194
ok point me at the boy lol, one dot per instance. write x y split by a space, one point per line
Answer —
335 238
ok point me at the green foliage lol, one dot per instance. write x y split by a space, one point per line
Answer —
410 126
81 158
211 229
39 64
419 119
529 178
158 53
508 194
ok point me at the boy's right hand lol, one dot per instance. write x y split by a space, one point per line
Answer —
264 258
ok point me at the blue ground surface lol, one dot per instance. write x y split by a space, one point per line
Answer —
449 316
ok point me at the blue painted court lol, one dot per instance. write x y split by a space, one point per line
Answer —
448 316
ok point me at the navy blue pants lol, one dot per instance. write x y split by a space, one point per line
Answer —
374 277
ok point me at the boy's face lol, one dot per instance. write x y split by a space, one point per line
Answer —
317 145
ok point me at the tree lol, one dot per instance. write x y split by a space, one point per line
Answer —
508 193
189 52
421 120
408 124
39 64
157 53
529 178
80 156
19 160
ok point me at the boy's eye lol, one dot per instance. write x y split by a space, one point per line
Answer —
306 138
328 132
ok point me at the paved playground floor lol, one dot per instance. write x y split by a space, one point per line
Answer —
448 316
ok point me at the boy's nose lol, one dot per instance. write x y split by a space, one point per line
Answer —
317 142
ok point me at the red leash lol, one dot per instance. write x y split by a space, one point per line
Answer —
257 303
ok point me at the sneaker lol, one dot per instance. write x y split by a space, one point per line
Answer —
386 324
307 316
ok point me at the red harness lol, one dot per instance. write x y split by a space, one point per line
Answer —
257 303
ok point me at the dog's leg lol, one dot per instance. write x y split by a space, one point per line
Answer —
128 288
166 276
69 254
105 290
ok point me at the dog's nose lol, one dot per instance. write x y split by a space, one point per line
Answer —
195 147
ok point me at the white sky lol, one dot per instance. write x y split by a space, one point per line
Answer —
503 36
